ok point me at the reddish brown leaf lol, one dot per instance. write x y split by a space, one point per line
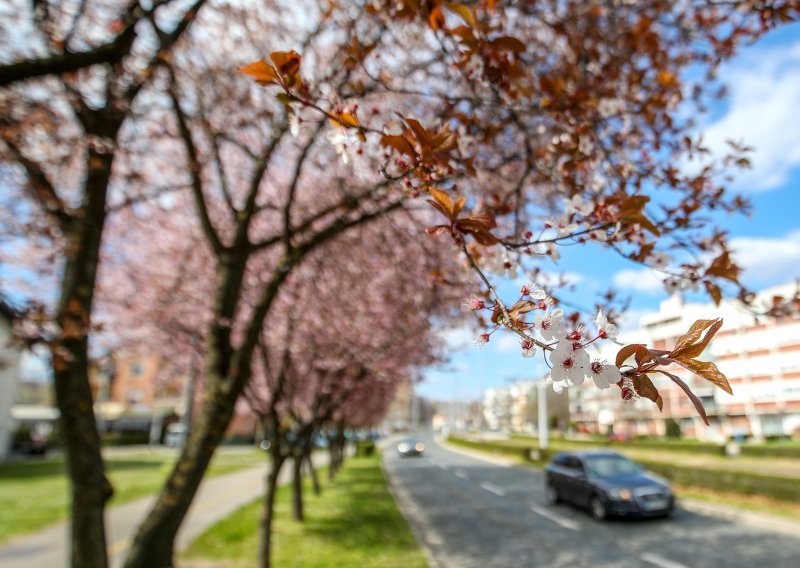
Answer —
644 387
465 13
521 307
689 338
708 371
632 205
287 62
436 18
643 221
714 291
481 222
698 404
262 72
443 199
641 353
724 267
459 205
485 238
438 230
628 351
399 143
694 351
508 43
439 207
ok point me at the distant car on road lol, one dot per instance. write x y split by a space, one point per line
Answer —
607 484
410 447
176 435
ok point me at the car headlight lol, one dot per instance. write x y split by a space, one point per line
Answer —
622 494
420 446
402 448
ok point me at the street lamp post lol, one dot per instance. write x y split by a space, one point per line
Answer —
542 405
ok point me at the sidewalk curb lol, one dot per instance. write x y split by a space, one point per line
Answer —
478 454
743 516
420 528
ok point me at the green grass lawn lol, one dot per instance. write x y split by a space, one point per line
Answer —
354 522
34 494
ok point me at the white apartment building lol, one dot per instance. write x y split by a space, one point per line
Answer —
760 356
515 407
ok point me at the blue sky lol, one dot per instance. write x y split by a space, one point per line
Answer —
763 110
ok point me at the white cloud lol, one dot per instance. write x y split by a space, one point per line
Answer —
505 342
638 280
456 338
765 261
630 320
768 260
550 279
764 95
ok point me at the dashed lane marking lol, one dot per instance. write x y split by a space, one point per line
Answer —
491 488
660 561
556 518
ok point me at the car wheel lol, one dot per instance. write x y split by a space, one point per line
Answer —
598 509
551 494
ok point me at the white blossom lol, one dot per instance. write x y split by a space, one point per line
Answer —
578 205
481 340
472 303
550 324
528 347
660 260
604 327
604 375
340 138
570 363
294 124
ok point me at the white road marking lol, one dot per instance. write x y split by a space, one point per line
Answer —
660 561
556 518
460 474
491 488
440 466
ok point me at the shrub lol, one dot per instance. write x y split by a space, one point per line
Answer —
365 448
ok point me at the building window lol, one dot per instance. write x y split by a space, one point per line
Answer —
135 395
137 369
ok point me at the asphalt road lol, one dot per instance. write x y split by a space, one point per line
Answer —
469 513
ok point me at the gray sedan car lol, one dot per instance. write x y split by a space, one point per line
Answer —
607 484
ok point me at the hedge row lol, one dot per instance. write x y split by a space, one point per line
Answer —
526 453
772 451
764 450
782 488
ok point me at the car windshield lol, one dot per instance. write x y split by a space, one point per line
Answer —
610 466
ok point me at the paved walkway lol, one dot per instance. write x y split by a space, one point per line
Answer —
217 498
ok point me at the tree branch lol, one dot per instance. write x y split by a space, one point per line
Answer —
194 170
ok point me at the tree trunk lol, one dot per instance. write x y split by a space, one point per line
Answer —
267 513
90 489
313 473
227 373
331 457
153 546
297 485
341 446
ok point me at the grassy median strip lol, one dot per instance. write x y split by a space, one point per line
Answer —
354 522
34 493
